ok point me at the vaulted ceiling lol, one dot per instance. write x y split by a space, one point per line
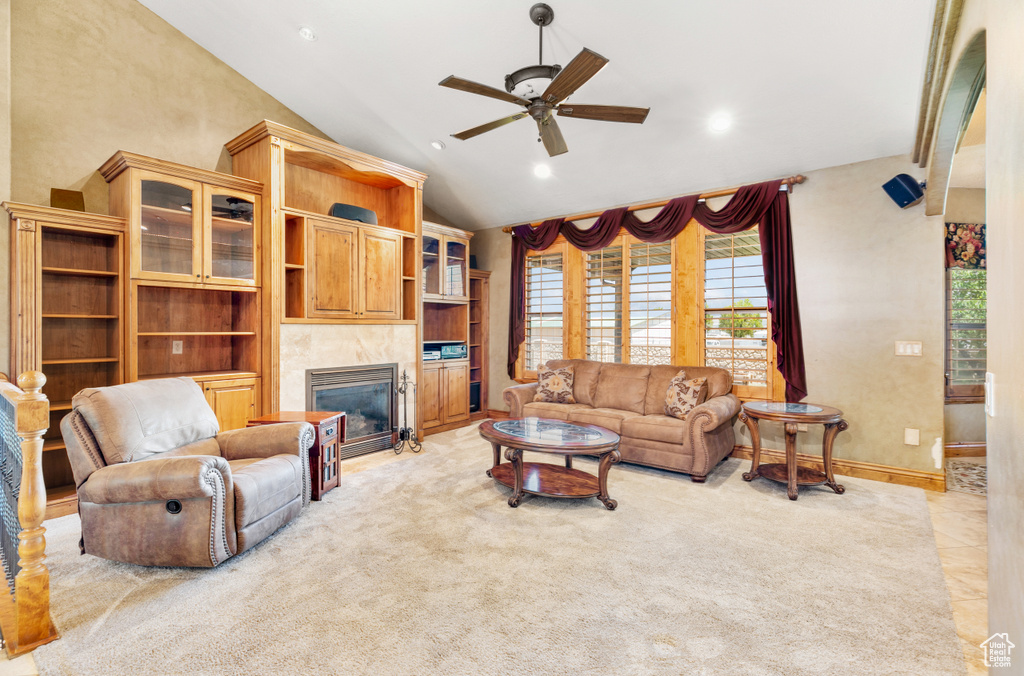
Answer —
807 84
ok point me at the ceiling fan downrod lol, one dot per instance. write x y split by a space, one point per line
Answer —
542 15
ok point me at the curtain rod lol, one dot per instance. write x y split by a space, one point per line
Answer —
787 184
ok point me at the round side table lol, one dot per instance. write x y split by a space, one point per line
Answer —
791 415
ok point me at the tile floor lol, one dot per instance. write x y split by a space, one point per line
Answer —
961 535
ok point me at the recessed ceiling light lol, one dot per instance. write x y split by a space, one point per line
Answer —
720 122
438 144
306 33
542 171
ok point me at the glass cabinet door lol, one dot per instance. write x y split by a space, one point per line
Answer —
167 236
455 268
431 264
231 236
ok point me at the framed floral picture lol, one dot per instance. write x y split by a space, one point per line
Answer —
965 245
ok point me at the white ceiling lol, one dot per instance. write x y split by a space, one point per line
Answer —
810 84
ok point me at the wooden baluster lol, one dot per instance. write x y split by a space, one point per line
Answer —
32 584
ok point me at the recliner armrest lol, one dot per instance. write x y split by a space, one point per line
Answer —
264 441
720 410
177 478
519 396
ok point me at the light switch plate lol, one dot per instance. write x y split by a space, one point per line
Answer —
908 348
911 436
177 346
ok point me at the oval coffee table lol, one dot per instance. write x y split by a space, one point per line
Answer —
557 437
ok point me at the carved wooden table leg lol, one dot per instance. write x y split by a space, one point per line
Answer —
515 456
755 440
607 460
791 430
497 457
831 431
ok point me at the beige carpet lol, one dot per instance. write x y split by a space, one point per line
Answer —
420 567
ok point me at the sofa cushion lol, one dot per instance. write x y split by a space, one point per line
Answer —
545 409
608 418
554 385
135 420
719 382
584 377
622 386
683 394
264 485
655 428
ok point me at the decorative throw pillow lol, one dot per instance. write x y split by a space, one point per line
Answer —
555 386
683 395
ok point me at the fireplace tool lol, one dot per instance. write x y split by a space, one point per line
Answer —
406 435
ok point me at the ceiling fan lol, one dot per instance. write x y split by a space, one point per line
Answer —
523 87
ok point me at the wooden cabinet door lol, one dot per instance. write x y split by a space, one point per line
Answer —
456 392
231 236
456 266
233 401
430 396
380 294
334 260
166 224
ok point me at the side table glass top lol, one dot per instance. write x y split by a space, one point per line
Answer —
781 407
536 429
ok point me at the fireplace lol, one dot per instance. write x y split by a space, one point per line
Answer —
367 396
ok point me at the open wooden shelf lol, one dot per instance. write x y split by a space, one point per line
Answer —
77 316
87 360
78 272
196 333
203 375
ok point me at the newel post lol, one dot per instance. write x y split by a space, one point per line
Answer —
32 584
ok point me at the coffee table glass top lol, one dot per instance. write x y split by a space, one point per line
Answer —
781 407
541 430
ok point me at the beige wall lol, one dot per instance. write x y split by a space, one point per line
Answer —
965 422
90 77
1004 167
868 274
5 176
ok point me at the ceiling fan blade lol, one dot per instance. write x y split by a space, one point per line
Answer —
483 90
580 69
552 136
606 113
476 131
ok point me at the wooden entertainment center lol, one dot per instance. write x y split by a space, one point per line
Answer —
194 272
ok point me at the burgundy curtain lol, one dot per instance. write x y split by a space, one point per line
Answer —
762 203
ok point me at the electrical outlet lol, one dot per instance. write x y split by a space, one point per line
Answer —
908 348
177 346
911 436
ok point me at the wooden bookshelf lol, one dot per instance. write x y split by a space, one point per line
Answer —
67 304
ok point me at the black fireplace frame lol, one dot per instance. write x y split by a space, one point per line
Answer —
373 374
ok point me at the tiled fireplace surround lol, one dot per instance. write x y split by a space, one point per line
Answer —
318 346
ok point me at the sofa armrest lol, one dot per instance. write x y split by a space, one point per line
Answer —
720 410
264 441
518 396
178 478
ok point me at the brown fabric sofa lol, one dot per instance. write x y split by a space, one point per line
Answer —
629 399
159 486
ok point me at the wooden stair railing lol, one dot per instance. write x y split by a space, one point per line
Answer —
25 609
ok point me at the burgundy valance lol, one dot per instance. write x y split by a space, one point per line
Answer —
762 203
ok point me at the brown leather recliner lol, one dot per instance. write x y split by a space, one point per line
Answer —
159 486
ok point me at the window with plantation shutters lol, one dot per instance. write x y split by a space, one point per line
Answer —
604 300
966 341
545 310
736 309
650 303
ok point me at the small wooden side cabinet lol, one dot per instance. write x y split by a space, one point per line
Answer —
792 415
328 437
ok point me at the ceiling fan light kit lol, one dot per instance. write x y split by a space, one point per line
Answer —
542 90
